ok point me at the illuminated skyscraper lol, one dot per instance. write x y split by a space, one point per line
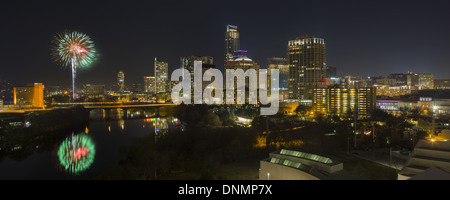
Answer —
344 101
32 95
243 63
188 63
367 101
121 81
306 57
232 43
320 101
149 84
161 77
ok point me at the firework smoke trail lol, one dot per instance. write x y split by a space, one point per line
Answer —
75 50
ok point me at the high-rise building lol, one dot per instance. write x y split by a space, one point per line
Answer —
94 90
283 78
149 84
120 81
32 95
306 57
412 80
320 101
366 101
243 63
188 63
283 67
161 76
340 101
232 43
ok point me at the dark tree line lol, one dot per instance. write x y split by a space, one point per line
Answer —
192 150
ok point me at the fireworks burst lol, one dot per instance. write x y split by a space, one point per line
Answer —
73 49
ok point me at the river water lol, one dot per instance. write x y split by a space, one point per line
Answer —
90 150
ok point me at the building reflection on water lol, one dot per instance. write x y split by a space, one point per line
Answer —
161 125
149 118
122 113
81 149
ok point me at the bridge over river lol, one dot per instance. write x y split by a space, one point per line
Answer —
125 106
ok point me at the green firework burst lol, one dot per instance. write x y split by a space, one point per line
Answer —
73 47
76 153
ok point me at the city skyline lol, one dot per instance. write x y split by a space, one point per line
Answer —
225 90
129 39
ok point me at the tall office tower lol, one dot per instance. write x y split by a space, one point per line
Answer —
306 57
149 84
121 81
243 63
283 78
231 42
188 63
32 95
426 81
161 77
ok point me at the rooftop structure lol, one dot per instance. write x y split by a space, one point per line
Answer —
426 154
296 165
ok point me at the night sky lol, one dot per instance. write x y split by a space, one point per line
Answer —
364 38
